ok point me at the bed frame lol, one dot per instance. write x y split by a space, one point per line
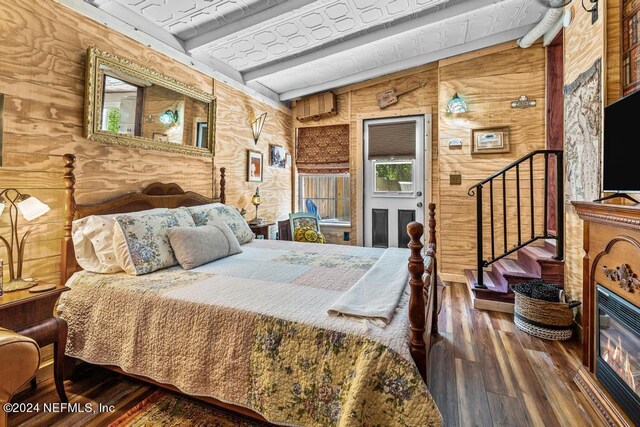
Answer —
423 306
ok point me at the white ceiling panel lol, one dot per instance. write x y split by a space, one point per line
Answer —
453 32
299 46
316 24
188 18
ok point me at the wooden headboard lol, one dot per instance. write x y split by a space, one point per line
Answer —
155 195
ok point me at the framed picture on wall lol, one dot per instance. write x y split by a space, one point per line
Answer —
277 156
490 140
254 166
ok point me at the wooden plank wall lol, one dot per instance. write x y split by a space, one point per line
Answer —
43 48
236 111
488 79
584 43
488 84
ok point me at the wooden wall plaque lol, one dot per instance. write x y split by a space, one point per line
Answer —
316 107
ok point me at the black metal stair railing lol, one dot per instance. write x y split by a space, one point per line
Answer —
477 191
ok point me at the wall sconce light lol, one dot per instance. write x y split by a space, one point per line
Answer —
256 200
30 208
256 127
169 117
456 105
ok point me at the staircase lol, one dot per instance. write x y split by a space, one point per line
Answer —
518 248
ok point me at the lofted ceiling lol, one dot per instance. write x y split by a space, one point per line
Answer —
292 48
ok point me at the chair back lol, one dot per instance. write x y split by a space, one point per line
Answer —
303 219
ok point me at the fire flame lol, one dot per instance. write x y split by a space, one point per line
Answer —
618 359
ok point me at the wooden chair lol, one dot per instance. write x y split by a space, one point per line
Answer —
284 230
303 219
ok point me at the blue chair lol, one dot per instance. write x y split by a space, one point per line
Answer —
311 207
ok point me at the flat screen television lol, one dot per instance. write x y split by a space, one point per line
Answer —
621 146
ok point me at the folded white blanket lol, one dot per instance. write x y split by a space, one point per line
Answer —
376 295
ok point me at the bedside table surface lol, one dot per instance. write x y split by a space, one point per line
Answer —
264 224
23 296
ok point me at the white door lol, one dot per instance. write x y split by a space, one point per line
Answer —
394 168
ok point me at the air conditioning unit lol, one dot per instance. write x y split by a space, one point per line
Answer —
316 107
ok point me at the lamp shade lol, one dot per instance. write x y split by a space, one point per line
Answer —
31 208
256 126
256 199
456 105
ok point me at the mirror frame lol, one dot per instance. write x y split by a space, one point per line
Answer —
93 104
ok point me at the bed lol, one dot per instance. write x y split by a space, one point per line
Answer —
251 332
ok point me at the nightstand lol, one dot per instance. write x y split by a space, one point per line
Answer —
31 315
261 229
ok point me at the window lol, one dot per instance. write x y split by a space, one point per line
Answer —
393 176
330 193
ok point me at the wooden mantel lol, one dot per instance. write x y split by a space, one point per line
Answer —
611 239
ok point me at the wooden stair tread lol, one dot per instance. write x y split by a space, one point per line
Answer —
514 268
539 253
490 279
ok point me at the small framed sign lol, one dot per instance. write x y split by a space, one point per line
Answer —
490 140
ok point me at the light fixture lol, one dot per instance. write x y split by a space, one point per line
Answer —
256 200
169 117
30 208
456 105
256 127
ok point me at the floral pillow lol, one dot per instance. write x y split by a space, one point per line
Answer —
308 234
93 241
141 242
203 215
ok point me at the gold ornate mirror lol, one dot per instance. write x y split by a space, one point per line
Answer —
128 104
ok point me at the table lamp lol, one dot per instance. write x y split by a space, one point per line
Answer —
30 208
255 201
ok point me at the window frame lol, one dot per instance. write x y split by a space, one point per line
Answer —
302 199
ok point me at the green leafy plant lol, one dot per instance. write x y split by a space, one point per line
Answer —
394 171
113 120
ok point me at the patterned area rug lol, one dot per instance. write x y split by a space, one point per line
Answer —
163 408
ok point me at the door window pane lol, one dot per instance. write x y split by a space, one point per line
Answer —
396 177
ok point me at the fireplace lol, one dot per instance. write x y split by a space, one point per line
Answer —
618 349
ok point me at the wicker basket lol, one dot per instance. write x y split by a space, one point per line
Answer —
544 319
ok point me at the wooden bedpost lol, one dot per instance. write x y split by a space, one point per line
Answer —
223 183
67 259
431 251
432 224
417 320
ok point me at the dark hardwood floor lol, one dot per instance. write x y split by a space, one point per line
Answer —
484 372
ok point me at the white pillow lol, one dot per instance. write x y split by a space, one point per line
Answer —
93 241
141 242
